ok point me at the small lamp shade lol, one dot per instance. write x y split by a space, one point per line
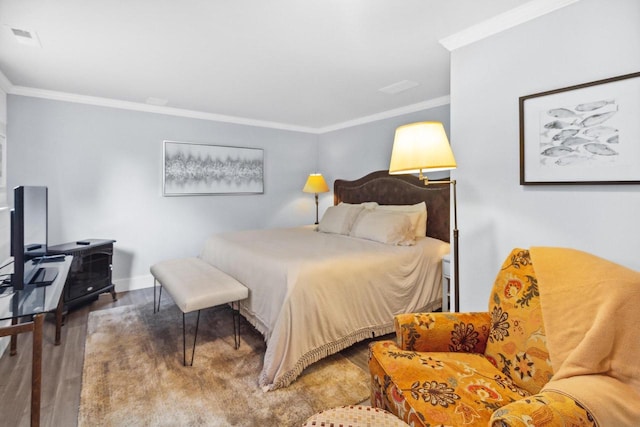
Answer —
315 184
419 147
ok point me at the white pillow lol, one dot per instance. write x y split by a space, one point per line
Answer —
419 222
339 219
393 228
366 205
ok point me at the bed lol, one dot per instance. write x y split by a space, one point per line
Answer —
312 293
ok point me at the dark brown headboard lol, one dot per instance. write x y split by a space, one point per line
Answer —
399 190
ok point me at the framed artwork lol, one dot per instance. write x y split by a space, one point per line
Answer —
583 134
200 169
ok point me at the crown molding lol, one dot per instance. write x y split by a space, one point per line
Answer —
137 106
433 103
5 84
502 22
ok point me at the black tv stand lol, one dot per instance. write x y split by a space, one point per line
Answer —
90 273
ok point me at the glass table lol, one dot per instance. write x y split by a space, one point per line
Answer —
26 309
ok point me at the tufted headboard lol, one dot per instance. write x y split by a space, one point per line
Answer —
400 190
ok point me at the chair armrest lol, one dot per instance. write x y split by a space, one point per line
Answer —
545 408
460 332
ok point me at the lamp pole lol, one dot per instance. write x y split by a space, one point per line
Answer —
456 256
456 276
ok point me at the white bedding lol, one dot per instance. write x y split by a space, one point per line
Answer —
313 294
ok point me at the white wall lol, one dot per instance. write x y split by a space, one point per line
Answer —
103 167
587 41
353 152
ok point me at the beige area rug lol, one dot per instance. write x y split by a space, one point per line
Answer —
133 374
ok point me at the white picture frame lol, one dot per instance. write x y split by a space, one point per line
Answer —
201 169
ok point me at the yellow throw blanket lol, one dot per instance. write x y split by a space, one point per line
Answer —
591 311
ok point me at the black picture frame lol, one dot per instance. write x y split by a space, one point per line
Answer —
582 134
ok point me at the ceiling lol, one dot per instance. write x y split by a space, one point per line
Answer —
299 63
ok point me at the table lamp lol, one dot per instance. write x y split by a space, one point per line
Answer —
316 184
423 147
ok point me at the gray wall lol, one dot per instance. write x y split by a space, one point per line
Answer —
587 41
103 167
353 152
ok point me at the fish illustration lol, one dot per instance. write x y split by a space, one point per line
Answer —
599 131
600 149
574 140
590 106
566 133
558 124
562 113
596 119
615 139
573 159
556 151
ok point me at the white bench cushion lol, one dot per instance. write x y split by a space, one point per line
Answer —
194 284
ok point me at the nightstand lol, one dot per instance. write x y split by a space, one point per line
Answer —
446 283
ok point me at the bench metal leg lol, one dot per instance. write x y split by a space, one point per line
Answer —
184 340
155 310
236 321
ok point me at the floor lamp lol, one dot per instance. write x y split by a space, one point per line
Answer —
424 147
315 184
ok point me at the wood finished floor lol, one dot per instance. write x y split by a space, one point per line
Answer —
62 366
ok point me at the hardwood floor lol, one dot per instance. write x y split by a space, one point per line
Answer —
62 366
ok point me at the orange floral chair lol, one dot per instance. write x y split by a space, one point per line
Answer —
458 369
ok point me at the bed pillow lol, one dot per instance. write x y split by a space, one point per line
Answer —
366 205
339 219
392 228
419 222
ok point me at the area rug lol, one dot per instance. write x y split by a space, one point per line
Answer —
133 374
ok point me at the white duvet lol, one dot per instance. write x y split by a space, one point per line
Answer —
313 294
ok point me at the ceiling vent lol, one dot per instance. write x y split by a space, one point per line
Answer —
26 37
398 87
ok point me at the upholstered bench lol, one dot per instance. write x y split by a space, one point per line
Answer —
195 285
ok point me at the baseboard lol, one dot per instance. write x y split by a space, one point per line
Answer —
133 283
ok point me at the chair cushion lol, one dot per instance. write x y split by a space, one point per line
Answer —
517 342
429 389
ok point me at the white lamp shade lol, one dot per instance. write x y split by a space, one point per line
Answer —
419 147
315 184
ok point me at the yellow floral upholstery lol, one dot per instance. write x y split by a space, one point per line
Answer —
457 369
517 343
544 409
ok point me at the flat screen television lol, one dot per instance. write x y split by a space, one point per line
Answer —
29 229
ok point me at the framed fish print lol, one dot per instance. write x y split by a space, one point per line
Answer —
583 134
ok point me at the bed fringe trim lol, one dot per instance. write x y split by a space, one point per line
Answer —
322 352
255 322
331 348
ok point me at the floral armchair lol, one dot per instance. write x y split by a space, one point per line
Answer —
487 368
